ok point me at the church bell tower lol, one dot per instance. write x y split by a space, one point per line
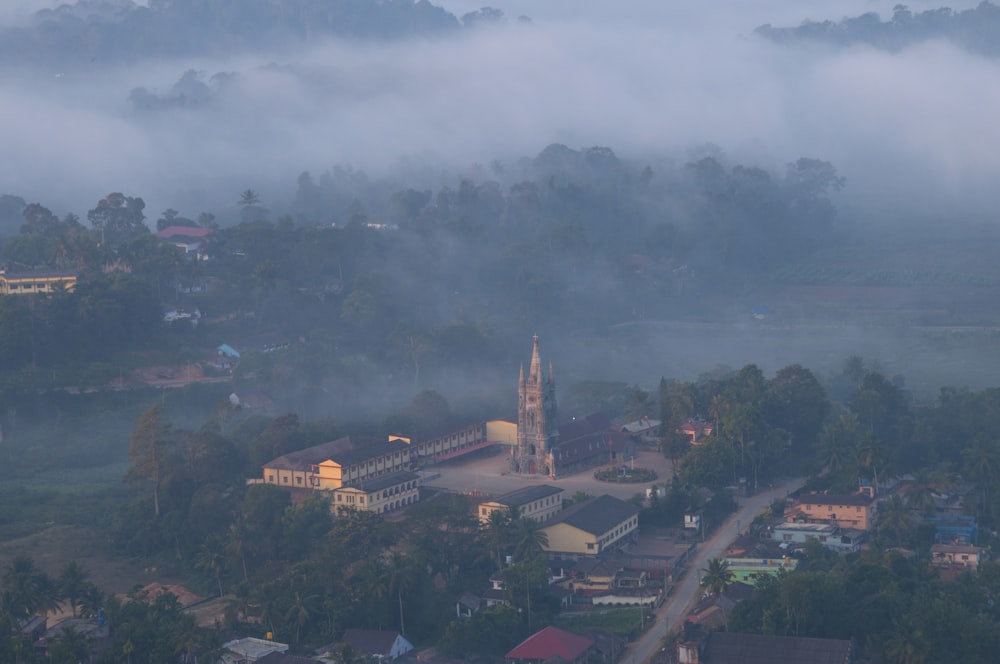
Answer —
537 433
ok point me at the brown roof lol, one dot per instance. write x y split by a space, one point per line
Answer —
727 647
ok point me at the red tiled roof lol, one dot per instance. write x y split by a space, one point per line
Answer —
552 641
185 231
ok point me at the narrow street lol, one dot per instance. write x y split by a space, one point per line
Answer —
687 591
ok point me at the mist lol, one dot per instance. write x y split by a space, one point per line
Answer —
911 131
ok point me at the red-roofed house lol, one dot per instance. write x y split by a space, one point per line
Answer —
552 642
189 238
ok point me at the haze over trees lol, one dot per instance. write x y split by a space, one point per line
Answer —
370 300
976 29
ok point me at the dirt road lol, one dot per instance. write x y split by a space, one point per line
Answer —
670 616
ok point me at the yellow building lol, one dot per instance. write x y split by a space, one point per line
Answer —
591 527
539 503
847 510
379 495
343 462
362 473
37 281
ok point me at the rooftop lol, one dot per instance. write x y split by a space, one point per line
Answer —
549 642
725 647
597 515
344 451
835 499
184 231
527 494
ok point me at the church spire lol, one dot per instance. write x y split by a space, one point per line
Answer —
535 373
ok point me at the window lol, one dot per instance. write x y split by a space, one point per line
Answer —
270 477
859 510
590 546
284 480
298 480
314 469
786 537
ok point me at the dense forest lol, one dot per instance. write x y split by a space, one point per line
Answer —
975 29
416 286
115 31
375 301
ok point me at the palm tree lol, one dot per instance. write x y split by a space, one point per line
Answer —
239 542
906 645
717 576
872 455
300 612
211 558
895 518
73 583
28 590
982 462
920 494
529 539
497 526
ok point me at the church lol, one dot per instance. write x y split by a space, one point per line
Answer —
546 449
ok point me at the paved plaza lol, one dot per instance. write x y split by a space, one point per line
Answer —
490 475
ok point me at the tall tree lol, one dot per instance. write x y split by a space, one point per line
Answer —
118 218
148 450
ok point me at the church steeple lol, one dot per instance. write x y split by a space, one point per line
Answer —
537 433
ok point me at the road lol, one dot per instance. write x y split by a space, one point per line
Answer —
686 592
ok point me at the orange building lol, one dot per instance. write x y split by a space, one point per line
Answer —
847 510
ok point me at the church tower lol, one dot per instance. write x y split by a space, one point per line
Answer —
537 433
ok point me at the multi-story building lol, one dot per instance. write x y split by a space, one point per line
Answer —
539 503
591 527
36 281
363 473
850 510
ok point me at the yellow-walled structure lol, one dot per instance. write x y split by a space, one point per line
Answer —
590 527
342 462
501 431
538 503
28 283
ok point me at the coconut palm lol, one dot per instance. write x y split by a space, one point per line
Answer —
529 539
872 456
211 558
301 611
28 590
716 577
895 519
982 462
72 584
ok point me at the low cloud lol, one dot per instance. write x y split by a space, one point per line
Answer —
911 131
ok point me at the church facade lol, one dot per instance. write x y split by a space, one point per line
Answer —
537 421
